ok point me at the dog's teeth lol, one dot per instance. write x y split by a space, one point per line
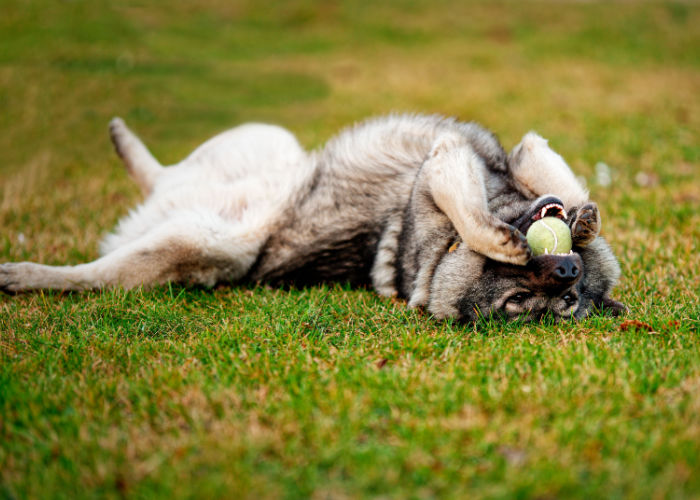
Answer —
556 207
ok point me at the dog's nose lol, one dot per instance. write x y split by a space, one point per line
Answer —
556 271
567 270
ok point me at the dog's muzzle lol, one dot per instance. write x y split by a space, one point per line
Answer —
557 271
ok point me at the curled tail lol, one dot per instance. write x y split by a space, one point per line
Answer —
139 161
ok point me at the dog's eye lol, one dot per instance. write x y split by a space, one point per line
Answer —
569 299
519 297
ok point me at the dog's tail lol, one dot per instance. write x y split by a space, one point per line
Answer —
139 161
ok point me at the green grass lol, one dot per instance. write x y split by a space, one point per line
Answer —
330 392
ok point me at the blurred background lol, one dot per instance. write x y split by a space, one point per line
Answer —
613 85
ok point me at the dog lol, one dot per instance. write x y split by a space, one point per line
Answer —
423 207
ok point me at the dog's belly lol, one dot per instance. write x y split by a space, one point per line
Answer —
250 150
253 202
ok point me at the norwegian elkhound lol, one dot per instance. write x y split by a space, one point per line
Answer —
424 207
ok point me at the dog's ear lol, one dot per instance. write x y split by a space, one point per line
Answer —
612 306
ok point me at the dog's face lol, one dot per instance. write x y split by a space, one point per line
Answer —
548 285
554 286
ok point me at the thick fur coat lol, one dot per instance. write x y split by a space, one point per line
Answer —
424 207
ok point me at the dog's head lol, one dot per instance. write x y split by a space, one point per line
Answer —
556 286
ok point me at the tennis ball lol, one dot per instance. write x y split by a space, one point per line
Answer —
549 235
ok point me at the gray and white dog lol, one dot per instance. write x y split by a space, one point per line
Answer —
424 207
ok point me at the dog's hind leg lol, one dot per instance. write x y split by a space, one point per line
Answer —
197 249
139 161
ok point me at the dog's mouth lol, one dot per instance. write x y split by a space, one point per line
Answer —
545 206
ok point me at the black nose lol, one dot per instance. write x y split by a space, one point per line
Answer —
567 270
555 272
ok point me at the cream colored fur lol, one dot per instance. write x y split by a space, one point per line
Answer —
539 169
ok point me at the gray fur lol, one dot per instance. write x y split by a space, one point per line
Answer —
423 207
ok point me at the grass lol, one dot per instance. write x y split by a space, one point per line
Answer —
332 392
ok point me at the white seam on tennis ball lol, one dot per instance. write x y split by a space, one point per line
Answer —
556 240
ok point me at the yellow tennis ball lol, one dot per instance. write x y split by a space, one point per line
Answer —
549 235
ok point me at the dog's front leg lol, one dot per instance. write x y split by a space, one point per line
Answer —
537 169
453 178
450 196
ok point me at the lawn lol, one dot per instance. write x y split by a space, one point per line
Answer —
331 392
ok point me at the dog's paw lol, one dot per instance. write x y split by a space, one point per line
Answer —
585 225
11 277
513 247
119 134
